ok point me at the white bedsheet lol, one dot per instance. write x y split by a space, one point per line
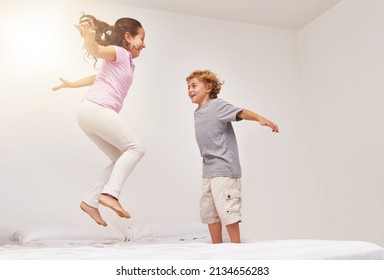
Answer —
198 250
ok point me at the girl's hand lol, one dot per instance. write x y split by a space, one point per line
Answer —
87 30
64 84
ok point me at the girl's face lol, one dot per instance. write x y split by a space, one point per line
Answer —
199 92
136 42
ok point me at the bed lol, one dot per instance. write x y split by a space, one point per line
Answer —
170 241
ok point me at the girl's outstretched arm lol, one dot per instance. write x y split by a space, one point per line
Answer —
252 116
87 81
87 30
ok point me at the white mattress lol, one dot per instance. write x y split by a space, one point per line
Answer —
168 241
201 250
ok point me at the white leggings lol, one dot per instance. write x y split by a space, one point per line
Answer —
114 137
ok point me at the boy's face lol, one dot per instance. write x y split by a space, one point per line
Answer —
199 92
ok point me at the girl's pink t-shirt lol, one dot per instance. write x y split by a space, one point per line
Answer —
113 81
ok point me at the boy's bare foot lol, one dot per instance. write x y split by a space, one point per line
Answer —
93 213
111 202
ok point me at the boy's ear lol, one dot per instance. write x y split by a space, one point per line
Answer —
208 87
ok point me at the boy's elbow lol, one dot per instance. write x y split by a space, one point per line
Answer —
240 115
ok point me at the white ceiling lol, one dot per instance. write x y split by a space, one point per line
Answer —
289 14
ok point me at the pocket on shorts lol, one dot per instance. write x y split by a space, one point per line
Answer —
233 200
232 194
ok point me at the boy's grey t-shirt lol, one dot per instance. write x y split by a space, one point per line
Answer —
216 139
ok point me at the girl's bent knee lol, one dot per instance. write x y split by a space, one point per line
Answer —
137 149
140 151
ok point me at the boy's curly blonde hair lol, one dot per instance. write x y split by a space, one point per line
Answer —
209 78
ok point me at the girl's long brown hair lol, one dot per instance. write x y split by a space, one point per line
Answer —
113 34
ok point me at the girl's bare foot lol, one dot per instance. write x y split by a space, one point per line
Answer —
93 213
111 202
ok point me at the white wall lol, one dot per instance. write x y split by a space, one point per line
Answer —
343 60
47 164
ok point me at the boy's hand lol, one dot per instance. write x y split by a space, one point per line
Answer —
273 126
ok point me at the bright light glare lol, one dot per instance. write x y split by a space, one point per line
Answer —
29 42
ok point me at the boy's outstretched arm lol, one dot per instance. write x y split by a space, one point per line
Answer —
87 81
252 116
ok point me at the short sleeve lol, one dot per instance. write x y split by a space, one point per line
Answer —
121 54
227 112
